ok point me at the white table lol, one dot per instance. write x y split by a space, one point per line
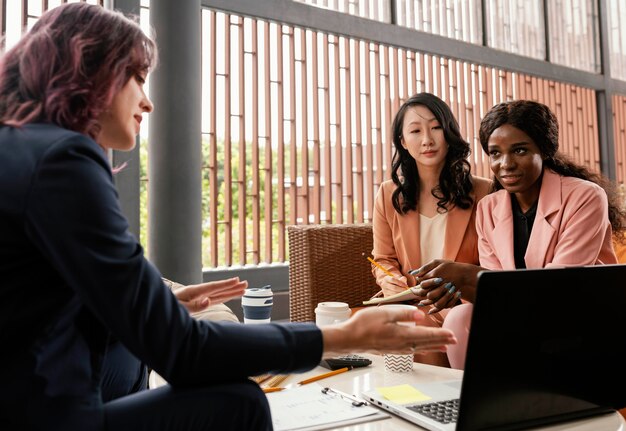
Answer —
363 379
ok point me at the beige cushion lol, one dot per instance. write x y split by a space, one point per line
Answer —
213 312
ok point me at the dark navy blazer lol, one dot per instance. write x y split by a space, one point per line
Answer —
71 274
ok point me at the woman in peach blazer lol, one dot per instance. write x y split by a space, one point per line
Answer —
396 236
431 185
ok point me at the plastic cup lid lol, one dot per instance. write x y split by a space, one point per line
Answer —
258 292
333 306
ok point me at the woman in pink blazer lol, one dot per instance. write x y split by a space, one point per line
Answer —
430 200
547 210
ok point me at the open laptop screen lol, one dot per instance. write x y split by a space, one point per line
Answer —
545 346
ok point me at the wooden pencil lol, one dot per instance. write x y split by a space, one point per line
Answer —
382 268
323 376
276 380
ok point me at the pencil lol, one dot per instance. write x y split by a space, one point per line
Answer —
260 379
323 376
272 389
378 265
276 380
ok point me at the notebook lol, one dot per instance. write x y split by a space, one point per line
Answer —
546 346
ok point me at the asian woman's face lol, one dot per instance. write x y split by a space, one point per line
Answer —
121 122
423 138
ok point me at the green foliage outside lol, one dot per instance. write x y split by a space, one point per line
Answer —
222 222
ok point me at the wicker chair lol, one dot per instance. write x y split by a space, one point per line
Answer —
328 263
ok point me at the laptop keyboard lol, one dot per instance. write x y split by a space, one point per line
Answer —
443 411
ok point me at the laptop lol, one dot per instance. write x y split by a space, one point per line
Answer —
546 346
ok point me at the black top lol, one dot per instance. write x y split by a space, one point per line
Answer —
522 227
71 274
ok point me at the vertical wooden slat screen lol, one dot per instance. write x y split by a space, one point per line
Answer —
327 105
289 123
212 166
316 197
337 159
359 167
29 11
226 120
239 117
268 170
299 123
256 166
346 108
280 143
619 132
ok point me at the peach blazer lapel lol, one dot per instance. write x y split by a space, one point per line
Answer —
456 225
408 232
543 232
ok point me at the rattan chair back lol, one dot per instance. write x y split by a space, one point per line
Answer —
328 263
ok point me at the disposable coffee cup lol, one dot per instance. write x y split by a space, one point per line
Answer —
257 305
400 363
327 313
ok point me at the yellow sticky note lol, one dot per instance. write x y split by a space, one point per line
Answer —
402 394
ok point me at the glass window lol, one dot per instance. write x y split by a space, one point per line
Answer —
377 10
516 26
456 19
574 38
617 38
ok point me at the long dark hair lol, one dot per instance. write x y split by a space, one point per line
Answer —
540 124
68 67
455 182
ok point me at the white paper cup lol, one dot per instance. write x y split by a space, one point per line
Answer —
327 313
400 363
257 305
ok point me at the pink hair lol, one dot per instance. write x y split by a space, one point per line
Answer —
68 67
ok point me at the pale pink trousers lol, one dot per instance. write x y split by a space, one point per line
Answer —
458 321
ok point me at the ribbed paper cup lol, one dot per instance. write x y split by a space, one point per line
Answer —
399 363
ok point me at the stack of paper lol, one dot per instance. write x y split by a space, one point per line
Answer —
307 408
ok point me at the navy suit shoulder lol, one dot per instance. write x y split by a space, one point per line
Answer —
72 274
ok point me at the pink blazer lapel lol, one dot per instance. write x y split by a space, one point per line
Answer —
543 232
502 239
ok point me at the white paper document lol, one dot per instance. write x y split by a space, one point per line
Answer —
409 294
307 408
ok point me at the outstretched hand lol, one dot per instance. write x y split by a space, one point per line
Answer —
197 297
376 330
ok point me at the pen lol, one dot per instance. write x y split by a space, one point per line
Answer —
272 389
378 265
323 376
355 401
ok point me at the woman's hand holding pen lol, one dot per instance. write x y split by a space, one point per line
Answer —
392 285
376 330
